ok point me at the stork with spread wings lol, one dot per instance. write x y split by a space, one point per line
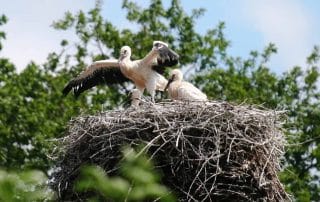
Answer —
145 73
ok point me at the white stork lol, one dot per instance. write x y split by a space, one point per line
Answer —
144 73
182 90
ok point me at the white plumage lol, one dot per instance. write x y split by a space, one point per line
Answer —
144 73
182 90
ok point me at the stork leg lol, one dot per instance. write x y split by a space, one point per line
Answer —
152 96
151 88
135 97
140 89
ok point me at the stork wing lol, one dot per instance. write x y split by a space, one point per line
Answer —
100 72
160 57
187 91
165 58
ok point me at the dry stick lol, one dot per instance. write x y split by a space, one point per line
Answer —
228 158
179 134
148 145
159 148
203 138
264 167
197 176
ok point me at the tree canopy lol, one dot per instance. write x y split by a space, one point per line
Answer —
33 112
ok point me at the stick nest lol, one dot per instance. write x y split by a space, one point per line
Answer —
208 151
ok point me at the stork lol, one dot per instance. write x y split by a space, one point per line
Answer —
182 90
145 73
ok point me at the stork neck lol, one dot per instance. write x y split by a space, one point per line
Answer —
126 59
148 58
178 76
126 63
179 79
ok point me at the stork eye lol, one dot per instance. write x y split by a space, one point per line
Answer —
125 51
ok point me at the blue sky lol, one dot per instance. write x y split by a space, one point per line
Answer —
293 25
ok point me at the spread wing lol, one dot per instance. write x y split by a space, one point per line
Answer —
100 72
165 58
160 57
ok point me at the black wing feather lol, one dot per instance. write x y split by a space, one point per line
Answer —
110 75
166 58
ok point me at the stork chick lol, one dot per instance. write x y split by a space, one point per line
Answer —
182 90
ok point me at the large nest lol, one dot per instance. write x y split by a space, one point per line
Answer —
211 151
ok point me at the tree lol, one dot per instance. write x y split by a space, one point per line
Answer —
24 186
3 20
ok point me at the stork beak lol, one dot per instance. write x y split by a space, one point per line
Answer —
169 82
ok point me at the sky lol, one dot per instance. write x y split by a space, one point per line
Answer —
293 25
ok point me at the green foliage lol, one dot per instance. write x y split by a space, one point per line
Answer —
32 112
138 182
3 20
24 186
241 80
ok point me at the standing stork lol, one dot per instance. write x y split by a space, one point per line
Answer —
182 90
145 73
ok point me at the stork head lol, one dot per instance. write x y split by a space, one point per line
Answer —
159 44
125 52
175 75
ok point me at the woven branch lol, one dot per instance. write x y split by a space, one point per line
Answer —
212 151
